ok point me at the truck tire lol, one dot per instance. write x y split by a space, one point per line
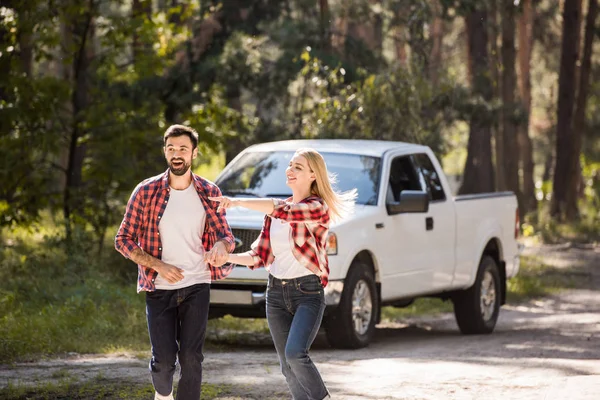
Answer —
476 309
352 324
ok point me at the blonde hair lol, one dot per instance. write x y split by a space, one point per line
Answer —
341 204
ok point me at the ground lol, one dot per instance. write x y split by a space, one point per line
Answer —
542 349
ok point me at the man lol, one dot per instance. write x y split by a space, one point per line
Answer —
179 241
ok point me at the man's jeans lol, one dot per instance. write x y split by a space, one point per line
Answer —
177 322
294 313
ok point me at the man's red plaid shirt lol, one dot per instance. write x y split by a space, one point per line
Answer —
309 220
145 208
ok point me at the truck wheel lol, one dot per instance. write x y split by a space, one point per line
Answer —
352 324
476 308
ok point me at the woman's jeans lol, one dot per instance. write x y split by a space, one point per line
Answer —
177 322
294 313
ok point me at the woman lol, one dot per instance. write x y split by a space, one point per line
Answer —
292 246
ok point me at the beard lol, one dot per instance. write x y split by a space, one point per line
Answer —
180 168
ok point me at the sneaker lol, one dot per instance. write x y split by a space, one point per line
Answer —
158 396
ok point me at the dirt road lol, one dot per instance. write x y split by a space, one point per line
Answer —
545 349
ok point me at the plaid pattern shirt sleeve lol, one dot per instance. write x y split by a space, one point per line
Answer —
139 228
310 210
261 248
128 234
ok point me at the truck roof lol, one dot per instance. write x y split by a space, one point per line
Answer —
375 148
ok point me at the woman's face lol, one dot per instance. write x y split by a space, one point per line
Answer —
298 174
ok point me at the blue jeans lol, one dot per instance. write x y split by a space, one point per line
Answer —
294 313
177 322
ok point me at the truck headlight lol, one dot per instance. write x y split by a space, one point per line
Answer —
331 244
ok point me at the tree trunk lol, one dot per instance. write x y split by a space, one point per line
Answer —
509 106
325 24
419 46
437 35
24 37
338 37
565 149
525 145
140 9
400 46
495 62
5 62
370 33
479 174
82 26
574 184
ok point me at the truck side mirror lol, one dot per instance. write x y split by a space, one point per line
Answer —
411 201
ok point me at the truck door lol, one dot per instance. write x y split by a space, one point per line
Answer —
441 225
407 251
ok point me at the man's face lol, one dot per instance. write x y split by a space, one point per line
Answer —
179 154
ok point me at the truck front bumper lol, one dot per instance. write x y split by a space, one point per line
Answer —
249 299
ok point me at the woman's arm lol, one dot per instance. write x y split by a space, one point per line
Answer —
265 206
241 259
310 210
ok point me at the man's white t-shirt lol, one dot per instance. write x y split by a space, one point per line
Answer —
285 265
181 228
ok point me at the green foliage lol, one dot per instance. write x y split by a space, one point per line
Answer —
423 306
61 299
541 225
536 279
397 105
99 387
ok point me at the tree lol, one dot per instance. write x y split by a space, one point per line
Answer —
525 39
565 143
478 173
509 105
80 22
573 184
495 64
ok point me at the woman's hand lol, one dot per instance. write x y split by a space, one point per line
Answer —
224 202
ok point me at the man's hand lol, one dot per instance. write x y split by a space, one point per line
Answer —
224 202
171 273
218 255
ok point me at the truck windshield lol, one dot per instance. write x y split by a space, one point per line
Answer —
262 174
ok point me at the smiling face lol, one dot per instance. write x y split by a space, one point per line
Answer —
179 153
298 174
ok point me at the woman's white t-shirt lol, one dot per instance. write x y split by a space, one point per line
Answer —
285 265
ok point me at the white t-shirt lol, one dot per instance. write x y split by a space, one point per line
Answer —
285 265
181 228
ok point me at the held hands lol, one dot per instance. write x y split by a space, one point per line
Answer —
218 255
224 202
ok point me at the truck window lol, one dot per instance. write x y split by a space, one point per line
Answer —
431 177
403 177
262 174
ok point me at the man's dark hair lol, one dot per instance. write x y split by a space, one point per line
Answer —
180 130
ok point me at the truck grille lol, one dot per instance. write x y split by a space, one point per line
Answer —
244 238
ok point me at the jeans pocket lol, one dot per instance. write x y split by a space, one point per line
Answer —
310 287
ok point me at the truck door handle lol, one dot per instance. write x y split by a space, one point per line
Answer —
429 223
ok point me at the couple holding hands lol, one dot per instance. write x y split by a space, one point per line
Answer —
175 229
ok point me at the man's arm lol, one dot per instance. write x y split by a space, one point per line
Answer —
126 240
128 233
171 273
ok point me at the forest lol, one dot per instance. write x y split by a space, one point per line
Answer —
506 92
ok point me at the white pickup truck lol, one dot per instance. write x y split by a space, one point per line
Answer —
408 238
